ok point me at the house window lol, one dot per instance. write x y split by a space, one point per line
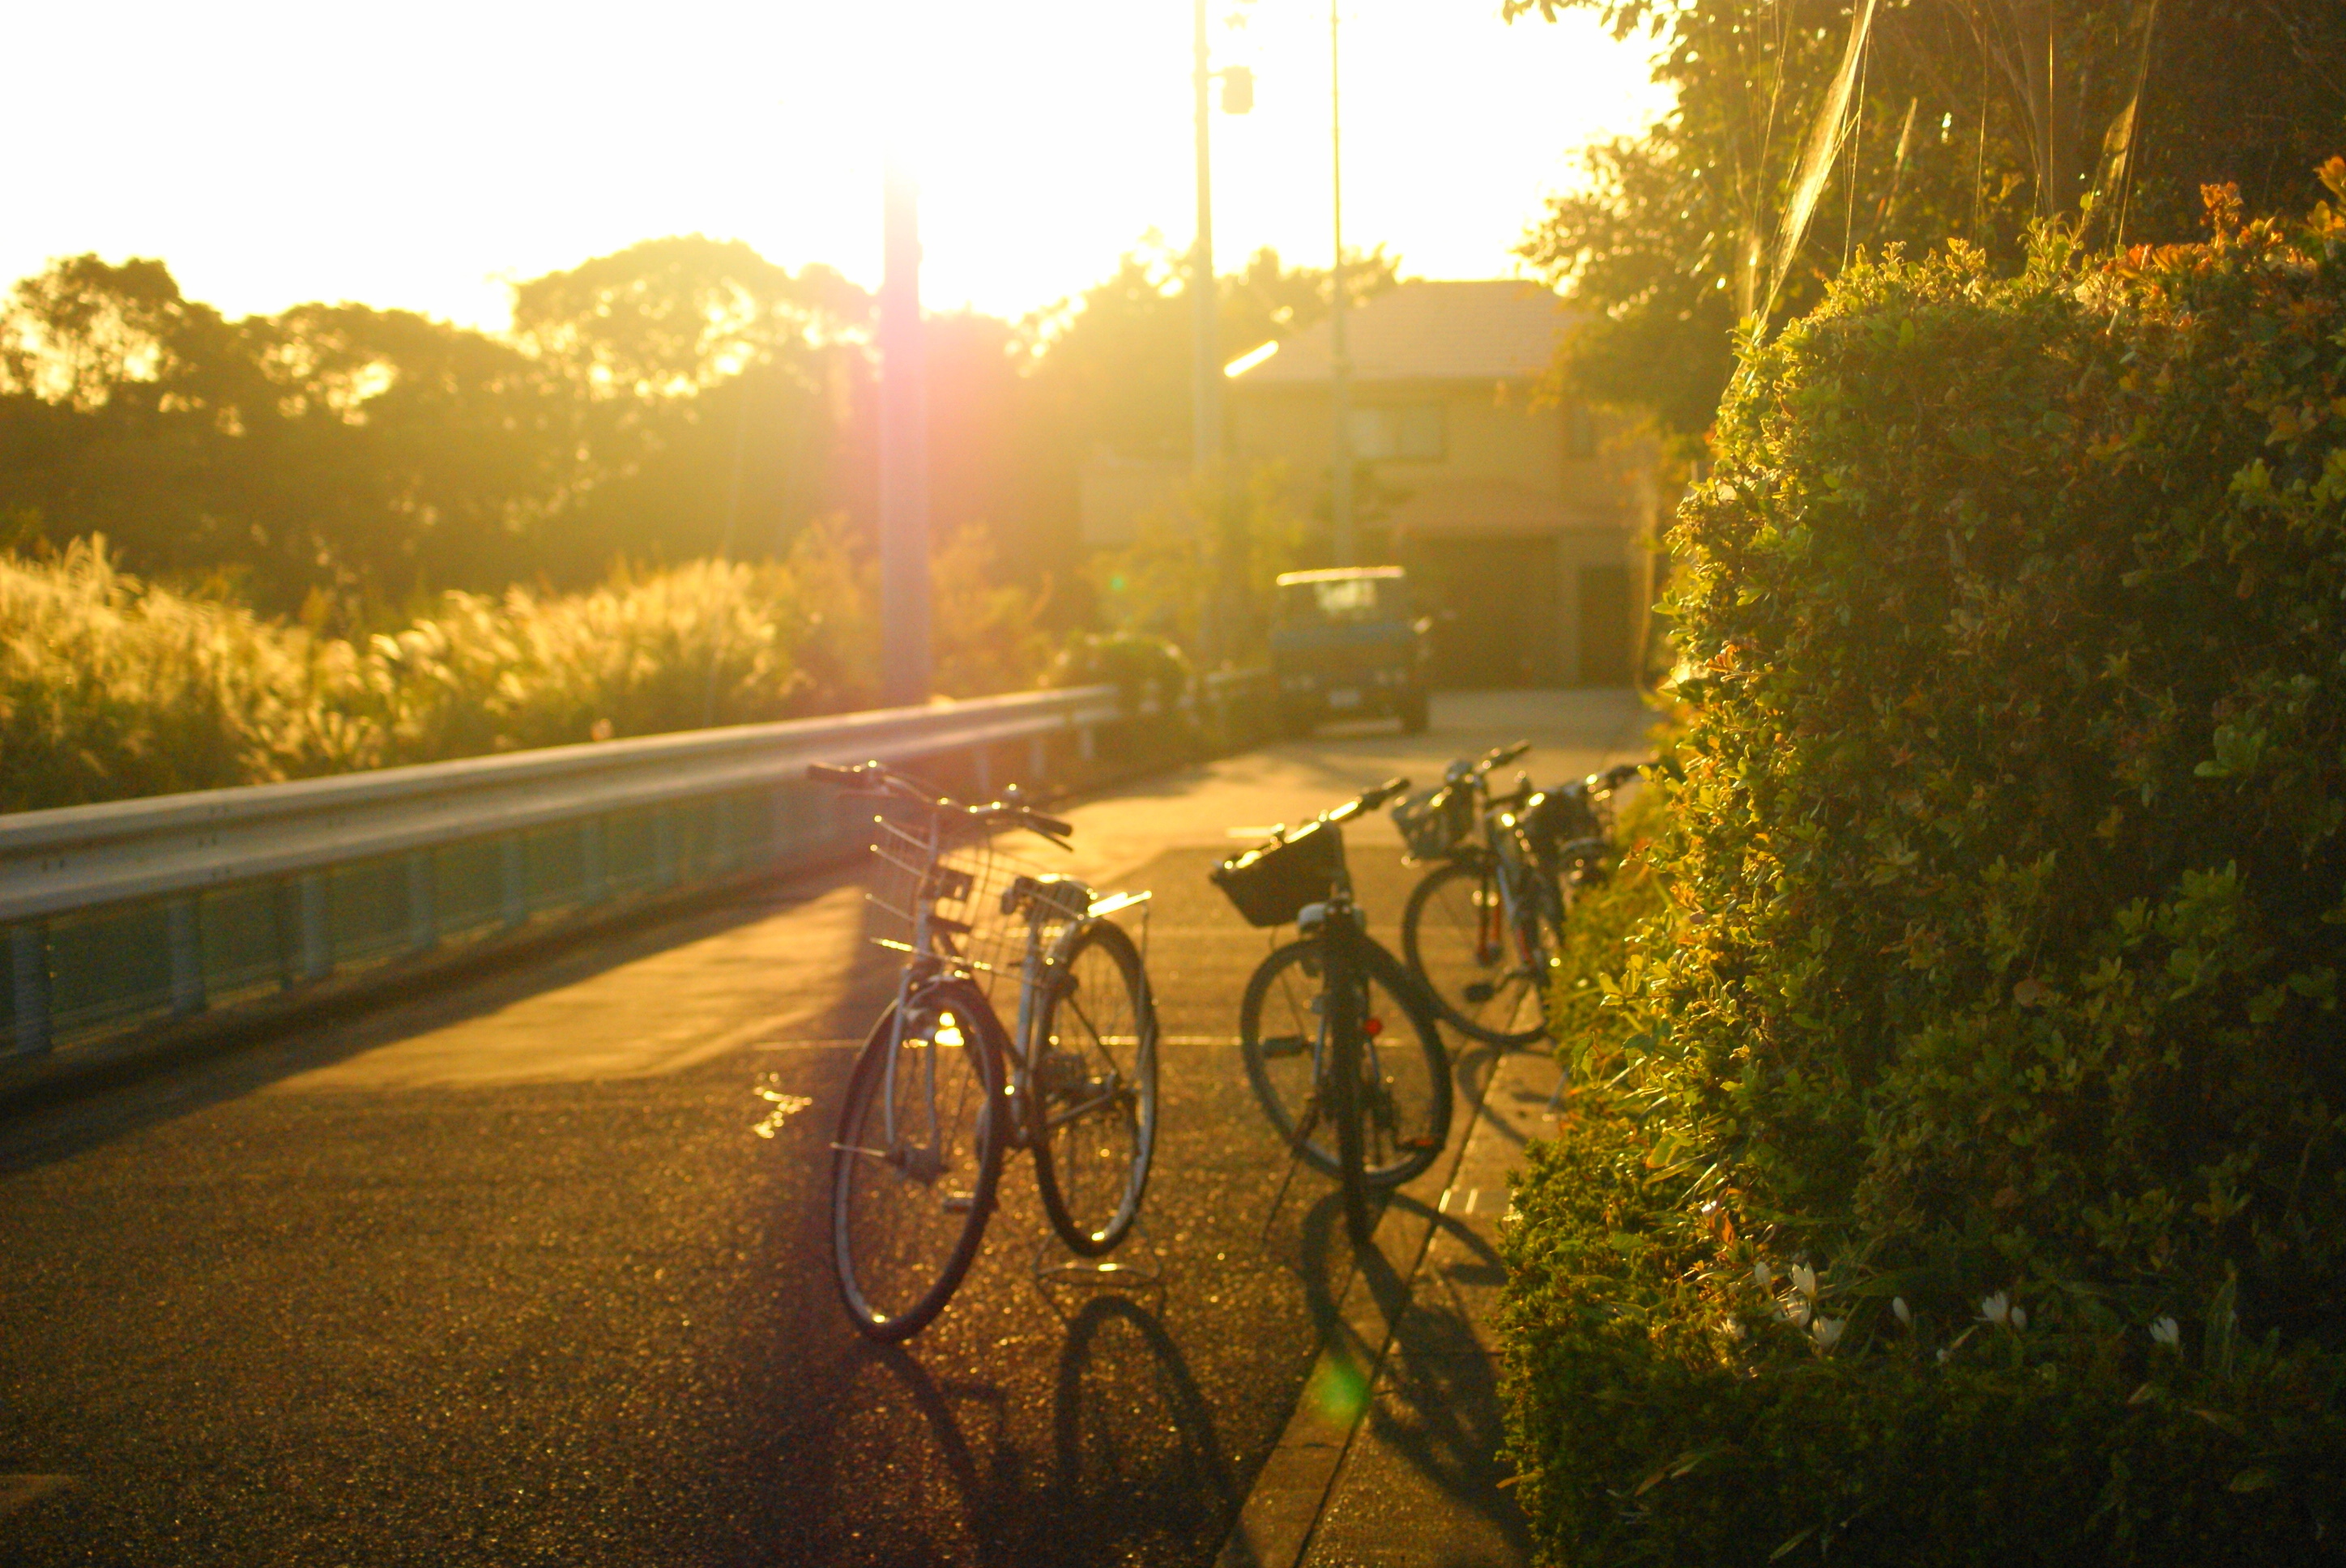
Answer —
1410 432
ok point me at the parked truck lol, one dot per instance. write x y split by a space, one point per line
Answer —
1348 642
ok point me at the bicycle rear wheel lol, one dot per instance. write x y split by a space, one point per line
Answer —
1347 1042
1095 1089
915 1165
1403 1074
1488 975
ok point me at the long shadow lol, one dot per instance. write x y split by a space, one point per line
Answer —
249 1060
927 1470
1433 1403
1437 1405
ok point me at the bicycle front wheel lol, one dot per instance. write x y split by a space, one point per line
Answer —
1487 973
915 1165
1403 1071
1094 1077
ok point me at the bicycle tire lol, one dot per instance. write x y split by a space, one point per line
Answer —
1095 1099
1408 1120
1453 939
1346 1043
900 1246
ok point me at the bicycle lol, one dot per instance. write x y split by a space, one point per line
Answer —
942 1090
1484 931
1353 1095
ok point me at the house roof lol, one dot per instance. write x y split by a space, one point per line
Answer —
1495 329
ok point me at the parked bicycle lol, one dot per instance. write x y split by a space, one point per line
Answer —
943 1090
1339 1040
1484 930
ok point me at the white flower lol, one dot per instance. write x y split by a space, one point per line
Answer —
2019 1319
1900 1311
1797 1311
1804 1280
1733 1328
1762 1275
1997 1310
1944 1353
1827 1332
2165 1332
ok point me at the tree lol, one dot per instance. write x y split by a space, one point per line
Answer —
1969 118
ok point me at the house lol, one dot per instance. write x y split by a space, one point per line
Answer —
1526 522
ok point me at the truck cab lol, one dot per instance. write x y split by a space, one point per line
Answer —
1349 643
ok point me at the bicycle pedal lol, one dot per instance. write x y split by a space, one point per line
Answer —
1481 990
960 1202
1286 1046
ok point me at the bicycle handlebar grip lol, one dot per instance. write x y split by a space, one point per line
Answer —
1056 826
1500 755
1383 792
831 773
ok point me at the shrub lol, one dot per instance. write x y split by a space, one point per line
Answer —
2007 903
111 688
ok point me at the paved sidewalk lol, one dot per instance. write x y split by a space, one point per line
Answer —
1409 1477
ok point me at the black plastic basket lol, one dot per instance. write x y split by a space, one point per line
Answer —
1433 822
1271 884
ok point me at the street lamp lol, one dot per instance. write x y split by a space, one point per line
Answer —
1206 370
1340 360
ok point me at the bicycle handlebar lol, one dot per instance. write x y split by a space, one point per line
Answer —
876 779
1367 800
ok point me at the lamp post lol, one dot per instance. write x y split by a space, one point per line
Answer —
1339 362
1205 375
904 672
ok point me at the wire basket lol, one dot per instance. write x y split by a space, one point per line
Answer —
1433 822
1271 884
976 897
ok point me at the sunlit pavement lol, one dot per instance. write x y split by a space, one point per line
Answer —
535 1270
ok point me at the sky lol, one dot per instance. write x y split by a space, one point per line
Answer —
422 156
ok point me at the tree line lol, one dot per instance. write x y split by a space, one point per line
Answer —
681 399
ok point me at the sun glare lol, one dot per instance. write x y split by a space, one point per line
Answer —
1050 135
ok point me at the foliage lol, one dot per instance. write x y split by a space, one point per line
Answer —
2007 898
1670 238
376 454
1144 670
1202 576
111 688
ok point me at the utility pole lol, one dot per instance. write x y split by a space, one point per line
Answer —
904 447
1340 360
1206 372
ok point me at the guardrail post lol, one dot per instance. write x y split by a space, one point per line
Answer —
186 943
982 770
785 822
315 936
1086 742
513 878
28 960
422 903
1038 759
594 880
664 847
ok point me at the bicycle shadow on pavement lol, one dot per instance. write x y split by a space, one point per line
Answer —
1126 1465
1431 1411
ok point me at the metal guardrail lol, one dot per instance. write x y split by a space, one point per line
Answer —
131 911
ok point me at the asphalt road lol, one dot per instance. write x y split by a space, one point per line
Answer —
535 1269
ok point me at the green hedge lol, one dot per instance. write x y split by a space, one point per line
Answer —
1998 975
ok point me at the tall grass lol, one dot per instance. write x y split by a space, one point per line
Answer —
111 688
